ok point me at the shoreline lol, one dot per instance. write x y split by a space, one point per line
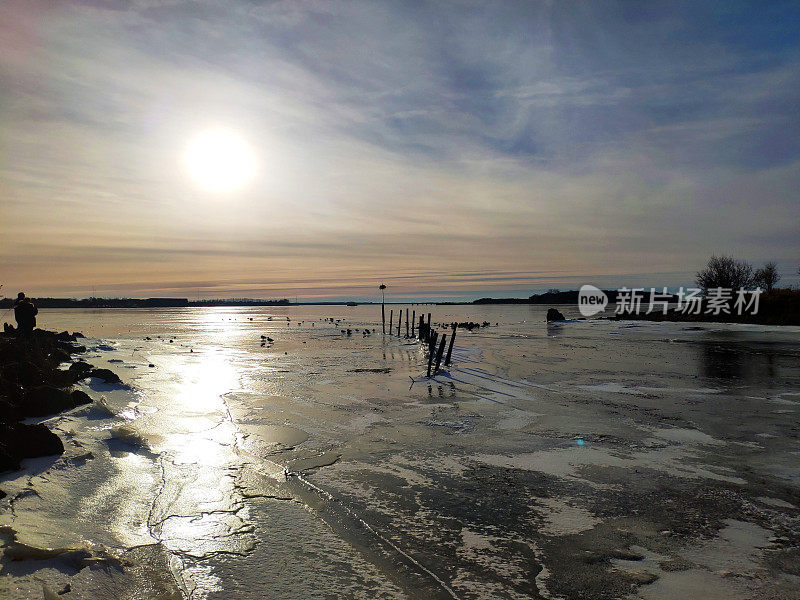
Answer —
496 430
33 385
34 443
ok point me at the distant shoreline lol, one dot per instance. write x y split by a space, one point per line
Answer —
548 298
780 307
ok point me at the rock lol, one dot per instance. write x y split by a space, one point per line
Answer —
65 336
78 334
18 441
641 577
104 374
80 367
71 347
8 461
46 400
60 355
27 373
61 379
9 411
554 315
80 397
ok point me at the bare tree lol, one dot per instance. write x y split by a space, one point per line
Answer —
767 276
725 272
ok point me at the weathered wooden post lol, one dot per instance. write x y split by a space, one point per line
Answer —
450 347
382 288
413 322
430 353
439 353
421 328
399 321
406 322
391 321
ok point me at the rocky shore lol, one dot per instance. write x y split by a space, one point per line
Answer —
35 383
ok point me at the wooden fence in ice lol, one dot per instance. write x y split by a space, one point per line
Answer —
425 333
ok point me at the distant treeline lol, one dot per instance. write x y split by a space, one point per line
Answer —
140 302
100 302
240 302
551 297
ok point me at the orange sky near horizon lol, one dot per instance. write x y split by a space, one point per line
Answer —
449 155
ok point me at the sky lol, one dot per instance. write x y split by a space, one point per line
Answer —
452 150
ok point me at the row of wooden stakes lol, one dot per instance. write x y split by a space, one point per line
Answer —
425 333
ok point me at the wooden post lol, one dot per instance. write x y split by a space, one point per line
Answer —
399 321
440 353
432 342
406 322
391 320
450 347
421 328
430 353
382 288
413 322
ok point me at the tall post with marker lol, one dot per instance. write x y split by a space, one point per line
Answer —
382 288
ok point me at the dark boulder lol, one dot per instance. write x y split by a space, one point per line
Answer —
59 355
11 391
80 397
71 347
555 315
104 374
80 367
65 336
27 373
47 400
60 379
9 411
18 441
8 461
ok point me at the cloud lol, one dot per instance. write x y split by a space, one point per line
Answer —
396 138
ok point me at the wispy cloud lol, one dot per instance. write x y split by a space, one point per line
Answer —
395 138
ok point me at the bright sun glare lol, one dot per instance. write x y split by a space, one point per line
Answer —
220 160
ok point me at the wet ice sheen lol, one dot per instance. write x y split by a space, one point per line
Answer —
386 479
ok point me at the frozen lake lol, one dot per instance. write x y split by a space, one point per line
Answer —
585 459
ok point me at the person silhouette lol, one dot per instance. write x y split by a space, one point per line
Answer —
25 314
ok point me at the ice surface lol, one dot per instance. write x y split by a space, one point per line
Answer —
324 465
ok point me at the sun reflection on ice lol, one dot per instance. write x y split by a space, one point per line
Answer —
198 510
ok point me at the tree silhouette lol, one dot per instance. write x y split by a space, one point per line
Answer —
725 272
767 276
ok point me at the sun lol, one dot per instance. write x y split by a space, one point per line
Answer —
220 160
